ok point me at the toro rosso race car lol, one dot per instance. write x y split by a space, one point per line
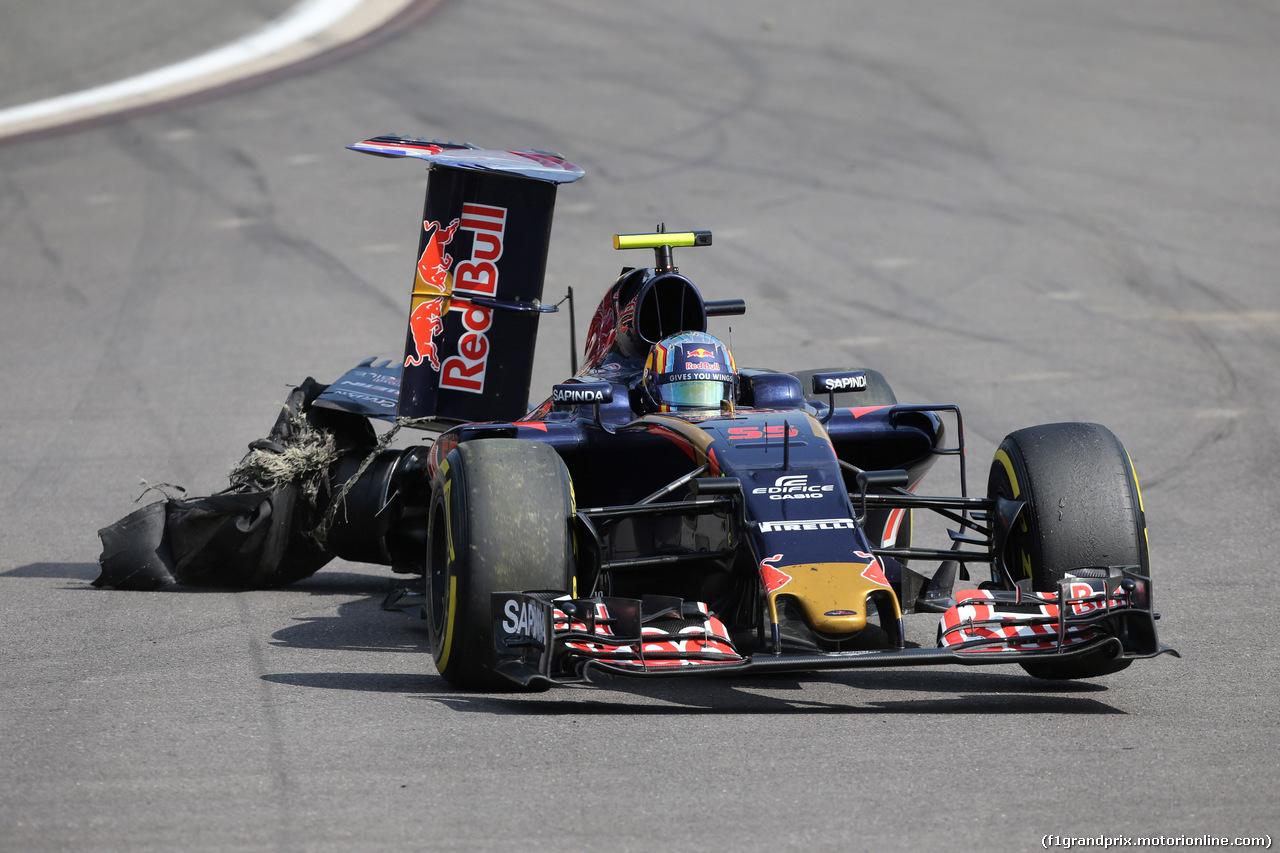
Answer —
663 511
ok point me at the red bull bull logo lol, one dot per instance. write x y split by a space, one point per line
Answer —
874 572
773 577
700 352
433 266
431 291
425 323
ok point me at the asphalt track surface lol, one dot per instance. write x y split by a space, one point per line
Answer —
53 49
1042 212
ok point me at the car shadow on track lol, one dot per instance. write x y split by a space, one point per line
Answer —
330 582
67 571
360 624
936 692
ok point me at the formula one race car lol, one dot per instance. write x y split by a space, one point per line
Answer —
663 512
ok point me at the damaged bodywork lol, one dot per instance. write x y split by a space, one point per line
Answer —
612 529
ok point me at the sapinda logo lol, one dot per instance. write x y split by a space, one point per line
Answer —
526 618
793 487
577 395
856 382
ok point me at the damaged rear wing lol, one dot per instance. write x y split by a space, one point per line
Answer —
477 291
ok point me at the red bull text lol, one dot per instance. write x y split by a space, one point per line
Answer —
476 276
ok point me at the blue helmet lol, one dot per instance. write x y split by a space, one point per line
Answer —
689 370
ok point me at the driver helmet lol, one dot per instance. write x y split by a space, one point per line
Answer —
690 370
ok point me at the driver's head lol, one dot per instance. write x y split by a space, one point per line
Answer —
691 370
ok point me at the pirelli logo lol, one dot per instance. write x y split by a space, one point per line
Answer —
808 524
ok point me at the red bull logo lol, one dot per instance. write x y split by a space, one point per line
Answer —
433 266
700 352
431 293
773 577
874 572
477 287
475 276
425 323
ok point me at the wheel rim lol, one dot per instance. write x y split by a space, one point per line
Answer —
437 591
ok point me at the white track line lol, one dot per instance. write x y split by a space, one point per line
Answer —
305 30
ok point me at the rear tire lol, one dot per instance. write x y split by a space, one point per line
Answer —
501 516
1083 508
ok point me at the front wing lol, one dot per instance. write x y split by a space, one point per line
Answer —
549 638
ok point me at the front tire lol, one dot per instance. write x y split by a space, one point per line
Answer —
501 516
1083 508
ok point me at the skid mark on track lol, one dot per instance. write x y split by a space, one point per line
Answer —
247 203
284 792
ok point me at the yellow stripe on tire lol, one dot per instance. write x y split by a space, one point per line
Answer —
1007 464
448 623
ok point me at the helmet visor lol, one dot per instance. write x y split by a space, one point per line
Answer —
695 393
